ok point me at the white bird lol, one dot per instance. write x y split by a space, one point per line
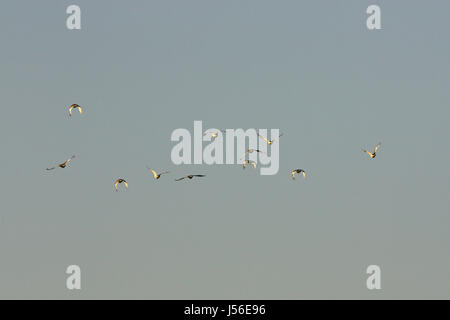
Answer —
374 153
156 175
190 176
298 171
269 142
247 162
75 106
120 181
62 165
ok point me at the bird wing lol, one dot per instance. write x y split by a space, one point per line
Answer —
293 174
155 175
376 147
198 175
75 106
180 179
278 137
164 172
125 183
263 138
50 168
254 164
370 154
68 160
304 174
115 184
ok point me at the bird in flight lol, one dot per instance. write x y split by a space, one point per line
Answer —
374 153
213 134
190 176
248 162
62 165
157 175
251 151
75 106
269 142
298 171
120 181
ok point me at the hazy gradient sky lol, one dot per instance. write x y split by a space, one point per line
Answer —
141 69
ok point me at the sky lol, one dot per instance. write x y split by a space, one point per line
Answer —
142 69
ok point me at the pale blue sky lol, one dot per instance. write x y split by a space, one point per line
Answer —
141 69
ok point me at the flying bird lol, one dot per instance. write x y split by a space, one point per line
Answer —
213 134
247 162
251 151
120 181
62 165
190 176
156 175
269 142
75 106
374 153
298 171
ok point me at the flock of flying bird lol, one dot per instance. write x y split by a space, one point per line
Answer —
214 135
